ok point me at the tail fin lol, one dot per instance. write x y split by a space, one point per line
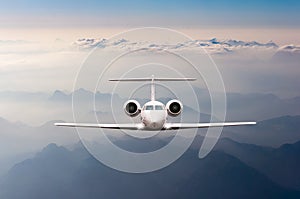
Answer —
152 79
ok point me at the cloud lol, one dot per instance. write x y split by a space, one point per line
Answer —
245 65
288 53
290 48
213 46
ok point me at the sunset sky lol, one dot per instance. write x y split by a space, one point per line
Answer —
48 20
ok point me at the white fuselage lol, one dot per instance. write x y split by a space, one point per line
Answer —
154 115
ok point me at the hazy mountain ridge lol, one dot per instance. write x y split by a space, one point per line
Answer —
252 106
60 173
19 141
279 164
271 132
27 139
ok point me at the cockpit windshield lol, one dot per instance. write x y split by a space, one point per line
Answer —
149 107
158 107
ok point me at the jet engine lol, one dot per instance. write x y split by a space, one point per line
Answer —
132 108
174 107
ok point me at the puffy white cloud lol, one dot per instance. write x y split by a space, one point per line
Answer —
213 46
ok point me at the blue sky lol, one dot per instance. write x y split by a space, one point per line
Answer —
237 13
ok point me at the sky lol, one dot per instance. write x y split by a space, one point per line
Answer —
69 20
190 13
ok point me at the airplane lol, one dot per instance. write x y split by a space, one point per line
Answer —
153 113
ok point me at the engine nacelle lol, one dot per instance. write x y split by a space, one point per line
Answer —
174 107
132 108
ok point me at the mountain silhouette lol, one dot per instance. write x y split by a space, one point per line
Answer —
279 164
271 132
56 172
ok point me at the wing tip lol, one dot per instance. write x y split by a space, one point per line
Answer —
57 124
60 124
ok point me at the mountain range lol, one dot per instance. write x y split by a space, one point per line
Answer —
249 162
57 172
271 132
29 139
252 106
279 164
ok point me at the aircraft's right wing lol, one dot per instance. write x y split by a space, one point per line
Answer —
130 126
173 126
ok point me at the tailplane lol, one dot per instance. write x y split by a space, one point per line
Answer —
152 80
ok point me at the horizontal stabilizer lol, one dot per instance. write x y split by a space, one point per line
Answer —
151 79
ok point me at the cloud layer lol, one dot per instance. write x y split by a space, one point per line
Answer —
245 65
212 46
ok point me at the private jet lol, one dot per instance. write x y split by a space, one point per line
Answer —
153 113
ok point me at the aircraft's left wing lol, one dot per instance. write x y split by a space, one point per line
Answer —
130 126
173 126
